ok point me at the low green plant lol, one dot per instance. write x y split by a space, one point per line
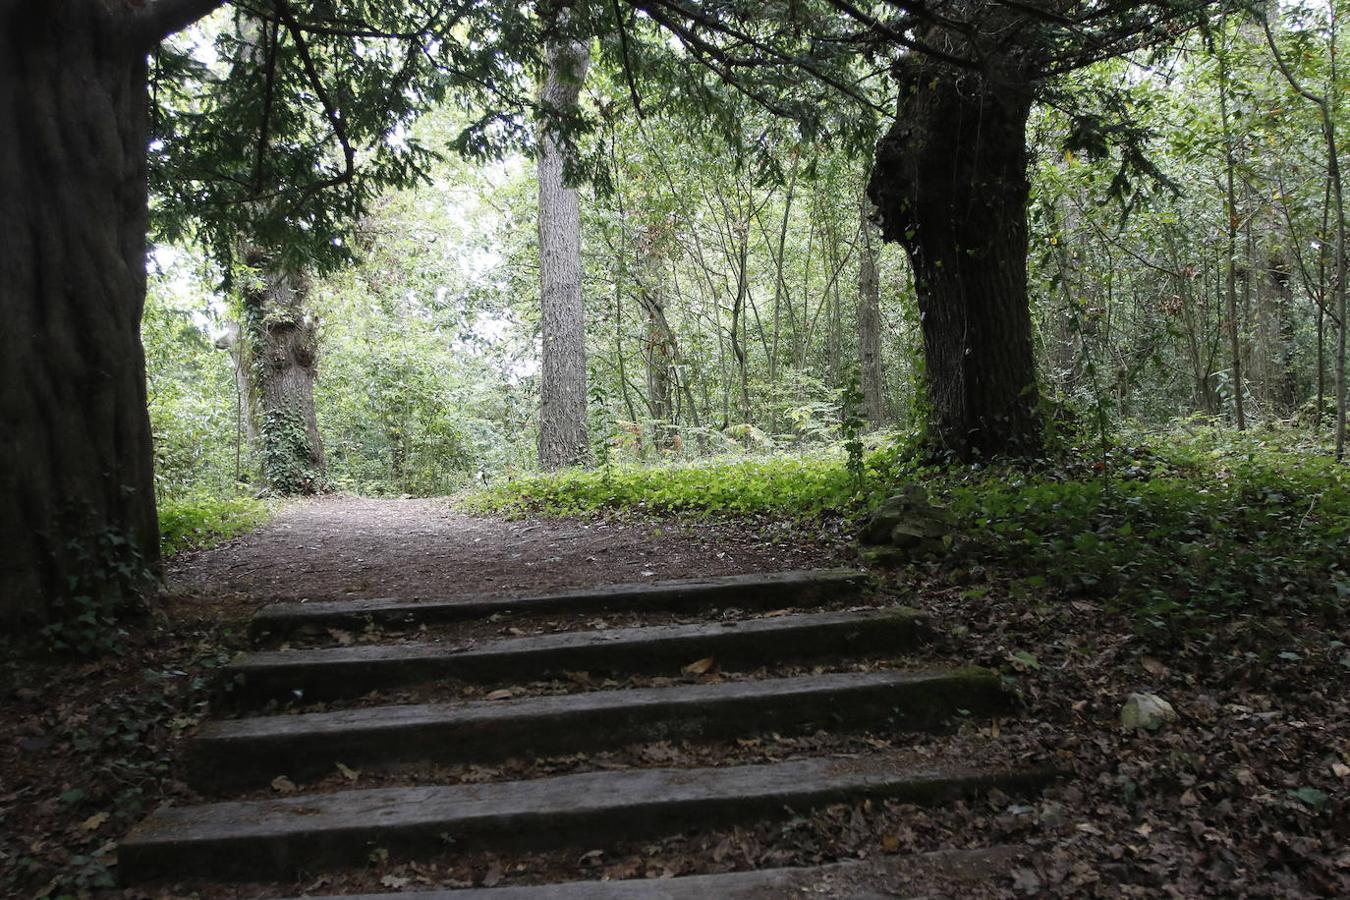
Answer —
1197 528
851 427
109 583
198 522
789 485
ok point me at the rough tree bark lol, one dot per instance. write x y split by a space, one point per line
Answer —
869 322
77 502
281 344
950 186
562 377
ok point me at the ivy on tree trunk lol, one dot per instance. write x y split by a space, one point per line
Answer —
282 349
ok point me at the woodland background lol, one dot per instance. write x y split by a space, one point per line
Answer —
740 304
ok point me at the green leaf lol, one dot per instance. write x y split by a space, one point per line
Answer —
1310 796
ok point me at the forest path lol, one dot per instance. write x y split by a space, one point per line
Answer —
341 546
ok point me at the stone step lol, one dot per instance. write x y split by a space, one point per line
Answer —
879 878
279 839
750 592
243 753
331 673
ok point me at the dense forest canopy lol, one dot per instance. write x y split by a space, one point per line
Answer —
975 227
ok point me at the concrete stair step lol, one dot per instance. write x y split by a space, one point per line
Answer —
280 839
879 878
750 592
242 753
332 673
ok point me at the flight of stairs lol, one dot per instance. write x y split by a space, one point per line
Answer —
374 689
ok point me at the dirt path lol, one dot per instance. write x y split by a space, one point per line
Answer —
336 547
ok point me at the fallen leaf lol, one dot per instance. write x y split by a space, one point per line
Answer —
1026 881
348 773
94 822
283 785
699 666
1340 770
394 881
890 843
493 876
1023 658
1154 666
501 694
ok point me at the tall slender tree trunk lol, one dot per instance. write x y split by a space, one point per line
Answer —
1286 356
77 501
659 346
562 377
246 408
869 320
1326 104
833 314
780 280
738 315
281 344
950 185
1232 224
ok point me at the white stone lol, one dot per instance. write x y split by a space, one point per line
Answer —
1146 711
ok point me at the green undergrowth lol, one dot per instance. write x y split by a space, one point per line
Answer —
193 523
1184 526
785 485
1188 529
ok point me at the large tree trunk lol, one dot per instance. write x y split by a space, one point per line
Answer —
562 377
77 502
950 185
282 348
869 322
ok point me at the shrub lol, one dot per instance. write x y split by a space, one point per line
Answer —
191 523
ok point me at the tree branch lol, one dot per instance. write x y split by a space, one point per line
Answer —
330 110
627 63
157 19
